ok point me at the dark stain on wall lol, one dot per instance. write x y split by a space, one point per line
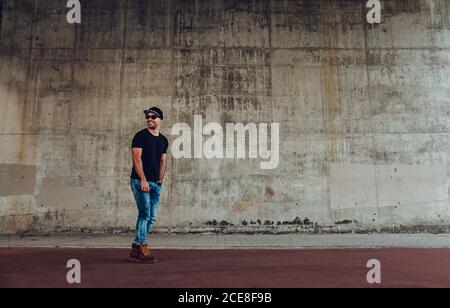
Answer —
215 223
1 18
345 222
298 222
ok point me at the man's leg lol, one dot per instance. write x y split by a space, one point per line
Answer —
144 206
155 193
140 251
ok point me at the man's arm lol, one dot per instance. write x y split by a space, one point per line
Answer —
139 167
163 168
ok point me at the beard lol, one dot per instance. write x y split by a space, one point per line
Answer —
152 125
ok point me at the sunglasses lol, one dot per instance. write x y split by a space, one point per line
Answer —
153 117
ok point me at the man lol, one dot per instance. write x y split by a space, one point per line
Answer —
149 150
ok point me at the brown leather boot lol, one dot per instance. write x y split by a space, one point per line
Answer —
143 255
134 252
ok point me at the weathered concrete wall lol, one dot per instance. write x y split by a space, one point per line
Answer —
364 112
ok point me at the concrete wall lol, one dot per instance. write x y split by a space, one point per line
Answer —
364 112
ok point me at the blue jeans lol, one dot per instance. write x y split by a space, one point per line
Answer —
147 204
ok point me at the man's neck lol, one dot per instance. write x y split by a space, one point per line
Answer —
154 132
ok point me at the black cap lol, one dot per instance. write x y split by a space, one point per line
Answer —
156 111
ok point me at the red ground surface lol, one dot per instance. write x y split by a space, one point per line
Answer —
226 268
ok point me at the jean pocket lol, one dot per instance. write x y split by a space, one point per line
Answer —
156 186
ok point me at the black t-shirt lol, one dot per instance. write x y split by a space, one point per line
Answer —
152 149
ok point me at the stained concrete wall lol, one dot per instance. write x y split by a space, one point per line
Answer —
364 112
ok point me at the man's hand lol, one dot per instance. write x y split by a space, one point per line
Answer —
145 187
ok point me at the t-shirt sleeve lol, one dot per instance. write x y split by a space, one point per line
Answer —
166 146
138 141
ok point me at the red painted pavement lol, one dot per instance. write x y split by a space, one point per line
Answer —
226 268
